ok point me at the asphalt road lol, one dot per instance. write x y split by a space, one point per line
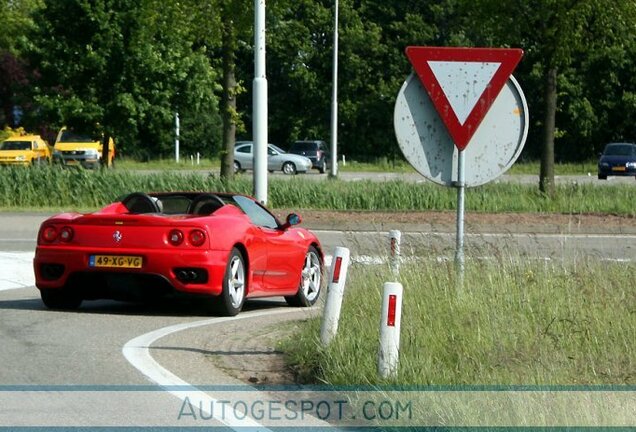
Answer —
19 230
115 364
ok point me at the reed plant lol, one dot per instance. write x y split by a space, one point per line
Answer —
55 188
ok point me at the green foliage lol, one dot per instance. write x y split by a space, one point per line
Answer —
589 43
16 23
516 322
78 188
124 68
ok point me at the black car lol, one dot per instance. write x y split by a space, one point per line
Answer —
618 159
316 151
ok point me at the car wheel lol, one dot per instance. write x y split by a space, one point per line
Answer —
323 167
237 167
310 280
602 177
289 168
232 298
60 299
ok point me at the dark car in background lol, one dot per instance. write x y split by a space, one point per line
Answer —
618 159
316 150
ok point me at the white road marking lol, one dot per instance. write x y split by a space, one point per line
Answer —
482 235
136 351
16 270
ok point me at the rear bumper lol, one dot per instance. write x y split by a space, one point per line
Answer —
609 171
57 267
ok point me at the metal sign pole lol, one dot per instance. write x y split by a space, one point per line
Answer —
333 172
259 121
176 139
461 188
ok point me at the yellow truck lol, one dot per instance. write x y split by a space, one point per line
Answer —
24 150
74 149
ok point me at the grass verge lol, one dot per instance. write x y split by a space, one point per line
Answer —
515 322
55 188
189 162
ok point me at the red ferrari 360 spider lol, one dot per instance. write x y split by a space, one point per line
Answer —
221 247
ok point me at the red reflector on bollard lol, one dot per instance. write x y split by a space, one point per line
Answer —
336 270
390 319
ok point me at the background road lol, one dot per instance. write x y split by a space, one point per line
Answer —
84 349
529 179
18 232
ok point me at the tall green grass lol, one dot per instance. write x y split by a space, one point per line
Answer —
54 188
514 323
378 165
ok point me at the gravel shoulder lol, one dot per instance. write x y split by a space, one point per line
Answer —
548 223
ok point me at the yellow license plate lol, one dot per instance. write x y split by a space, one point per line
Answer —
618 168
116 261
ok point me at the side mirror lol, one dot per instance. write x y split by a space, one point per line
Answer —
292 219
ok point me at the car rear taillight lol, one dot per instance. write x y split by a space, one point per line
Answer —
49 234
319 154
175 237
197 237
66 234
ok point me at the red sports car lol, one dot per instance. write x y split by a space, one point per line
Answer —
221 247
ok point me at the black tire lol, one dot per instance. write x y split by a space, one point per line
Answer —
60 299
231 300
602 177
323 167
310 280
237 167
289 168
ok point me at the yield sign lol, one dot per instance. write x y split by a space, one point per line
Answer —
463 83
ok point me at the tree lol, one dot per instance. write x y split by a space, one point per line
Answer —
372 66
16 24
554 34
121 67
233 25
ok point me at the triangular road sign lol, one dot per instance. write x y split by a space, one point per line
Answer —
463 83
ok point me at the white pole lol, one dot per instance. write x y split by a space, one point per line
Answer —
395 237
176 139
259 123
335 293
389 353
198 158
334 99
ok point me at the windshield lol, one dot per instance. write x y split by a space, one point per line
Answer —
618 150
68 136
16 145
278 149
304 146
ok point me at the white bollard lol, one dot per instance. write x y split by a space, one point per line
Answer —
335 293
388 356
395 236
198 158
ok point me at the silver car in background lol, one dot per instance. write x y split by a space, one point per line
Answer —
277 159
